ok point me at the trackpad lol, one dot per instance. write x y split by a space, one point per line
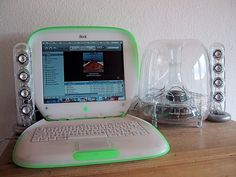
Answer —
93 144
94 149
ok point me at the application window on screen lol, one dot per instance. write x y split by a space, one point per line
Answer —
83 71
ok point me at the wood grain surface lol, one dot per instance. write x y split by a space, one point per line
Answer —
195 152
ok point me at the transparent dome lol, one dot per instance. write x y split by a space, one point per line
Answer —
174 83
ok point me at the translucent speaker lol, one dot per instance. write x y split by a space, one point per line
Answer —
174 84
218 84
23 85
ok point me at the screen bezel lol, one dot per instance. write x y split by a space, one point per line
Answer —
85 109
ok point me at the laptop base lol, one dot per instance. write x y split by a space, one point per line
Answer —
88 151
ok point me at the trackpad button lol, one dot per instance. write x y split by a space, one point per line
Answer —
94 149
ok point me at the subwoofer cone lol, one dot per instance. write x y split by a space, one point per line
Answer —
176 96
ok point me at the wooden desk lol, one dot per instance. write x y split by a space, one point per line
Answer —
195 152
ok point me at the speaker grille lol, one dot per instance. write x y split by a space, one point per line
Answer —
23 84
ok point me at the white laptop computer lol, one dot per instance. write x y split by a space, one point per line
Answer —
85 80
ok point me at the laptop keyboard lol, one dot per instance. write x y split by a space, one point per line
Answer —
87 130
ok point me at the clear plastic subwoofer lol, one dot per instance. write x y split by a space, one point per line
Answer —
174 83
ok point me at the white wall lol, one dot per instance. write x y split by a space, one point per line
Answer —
206 20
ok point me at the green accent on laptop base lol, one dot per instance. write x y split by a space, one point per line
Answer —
95 154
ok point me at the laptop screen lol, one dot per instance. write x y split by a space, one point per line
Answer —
82 71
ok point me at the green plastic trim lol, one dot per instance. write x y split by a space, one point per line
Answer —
126 32
96 154
29 165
